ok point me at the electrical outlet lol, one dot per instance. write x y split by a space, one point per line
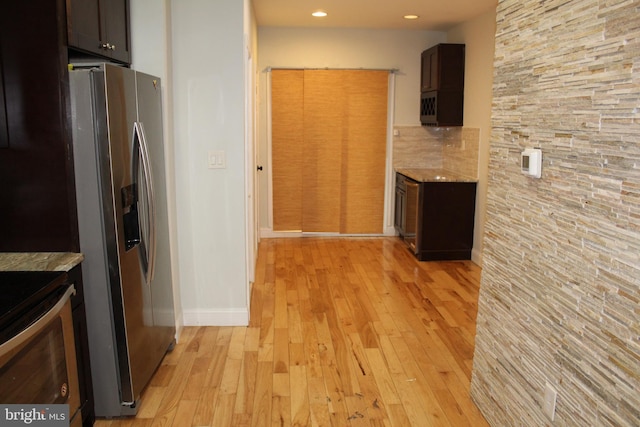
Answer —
549 404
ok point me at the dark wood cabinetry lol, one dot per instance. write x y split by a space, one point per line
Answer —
437 218
37 188
82 347
429 70
37 192
442 85
445 224
4 135
443 67
99 27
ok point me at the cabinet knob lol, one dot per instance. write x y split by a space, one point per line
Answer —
113 47
106 46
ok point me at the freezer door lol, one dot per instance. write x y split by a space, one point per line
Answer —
98 149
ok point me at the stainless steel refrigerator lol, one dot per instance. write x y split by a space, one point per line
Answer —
122 218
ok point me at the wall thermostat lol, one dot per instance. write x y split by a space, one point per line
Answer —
531 162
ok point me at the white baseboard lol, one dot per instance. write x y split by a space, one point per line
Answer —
222 317
476 257
390 231
268 233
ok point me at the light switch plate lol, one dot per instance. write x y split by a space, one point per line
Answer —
216 160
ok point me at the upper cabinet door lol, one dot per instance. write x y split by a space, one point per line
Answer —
84 26
100 27
443 67
429 80
115 21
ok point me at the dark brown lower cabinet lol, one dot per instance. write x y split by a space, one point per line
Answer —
438 219
445 220
82 348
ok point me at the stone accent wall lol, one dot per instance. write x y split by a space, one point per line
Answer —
452 149
560 292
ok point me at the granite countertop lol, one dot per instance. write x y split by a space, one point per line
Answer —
39 261
434 175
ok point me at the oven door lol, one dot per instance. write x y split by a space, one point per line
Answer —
38 365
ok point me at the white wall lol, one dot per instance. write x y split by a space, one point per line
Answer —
209 111
341 48
479 37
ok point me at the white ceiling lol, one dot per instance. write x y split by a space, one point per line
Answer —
436 15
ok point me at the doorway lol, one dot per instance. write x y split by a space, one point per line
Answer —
329 150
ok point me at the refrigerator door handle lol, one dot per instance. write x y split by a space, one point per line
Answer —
149 221
152 203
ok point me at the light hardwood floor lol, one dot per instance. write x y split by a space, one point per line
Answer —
343 332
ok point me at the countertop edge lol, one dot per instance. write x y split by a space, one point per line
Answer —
433 175
39 261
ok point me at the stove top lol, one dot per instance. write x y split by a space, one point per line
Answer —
20 291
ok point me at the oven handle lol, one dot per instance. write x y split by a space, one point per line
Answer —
36 327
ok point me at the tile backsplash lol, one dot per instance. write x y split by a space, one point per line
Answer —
460 151
453 149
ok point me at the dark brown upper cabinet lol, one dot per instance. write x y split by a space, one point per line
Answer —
100 27
442 85
443 67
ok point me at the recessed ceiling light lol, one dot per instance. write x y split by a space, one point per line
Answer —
319 14
411 17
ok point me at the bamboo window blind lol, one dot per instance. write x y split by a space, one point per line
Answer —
328 150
